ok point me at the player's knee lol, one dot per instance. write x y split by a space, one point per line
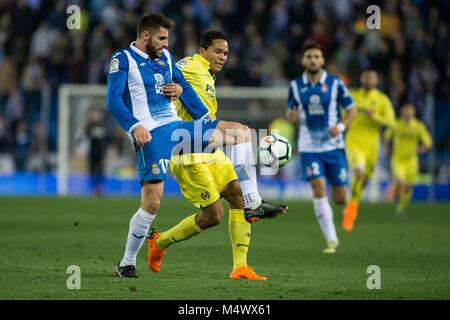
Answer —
216 216
359 173
216 219
233 194
243 133
339 199
151 206
210 217
319 191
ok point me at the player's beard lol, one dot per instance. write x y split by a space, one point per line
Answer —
314 71
152 51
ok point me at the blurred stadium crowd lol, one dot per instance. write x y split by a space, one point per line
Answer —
38 53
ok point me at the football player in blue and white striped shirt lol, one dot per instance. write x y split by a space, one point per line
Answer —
142 83
315 99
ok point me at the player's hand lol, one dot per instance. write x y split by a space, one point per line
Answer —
141 135
292 115
334 131
172 90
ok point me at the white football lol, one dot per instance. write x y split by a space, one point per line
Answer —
274 151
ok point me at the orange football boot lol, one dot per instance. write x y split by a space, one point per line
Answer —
350 214
246 272
155 255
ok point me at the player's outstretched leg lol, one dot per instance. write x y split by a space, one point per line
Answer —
245 165
159 242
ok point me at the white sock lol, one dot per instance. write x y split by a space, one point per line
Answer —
245 166
324 215
139 225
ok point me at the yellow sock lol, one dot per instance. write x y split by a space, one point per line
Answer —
404 200
357 189
239 231
182 231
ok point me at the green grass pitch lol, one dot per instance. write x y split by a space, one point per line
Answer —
41 237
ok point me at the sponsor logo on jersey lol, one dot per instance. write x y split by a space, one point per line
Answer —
315 105
210 89
155 169
205 195
114 66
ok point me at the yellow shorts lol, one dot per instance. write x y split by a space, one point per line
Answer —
364 158
405 170
202 177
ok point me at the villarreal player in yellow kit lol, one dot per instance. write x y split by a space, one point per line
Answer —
205 178
363 138
409 137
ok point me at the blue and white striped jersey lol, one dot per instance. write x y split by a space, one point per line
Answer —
134 95
318 107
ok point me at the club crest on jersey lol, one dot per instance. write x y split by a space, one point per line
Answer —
159 79
161 63
114 66
205 195
309 171
324 87
155 169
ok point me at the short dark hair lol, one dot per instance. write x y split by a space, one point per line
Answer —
207 38
310 46
369 69
152 21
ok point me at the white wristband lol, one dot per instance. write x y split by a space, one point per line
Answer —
341 127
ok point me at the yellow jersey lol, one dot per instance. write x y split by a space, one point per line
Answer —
196 71
406 138
363 130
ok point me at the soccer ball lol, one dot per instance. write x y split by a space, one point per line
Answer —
274 151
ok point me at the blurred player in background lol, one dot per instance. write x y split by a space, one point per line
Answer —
409 136
363 138
141 85
314 99
97 133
